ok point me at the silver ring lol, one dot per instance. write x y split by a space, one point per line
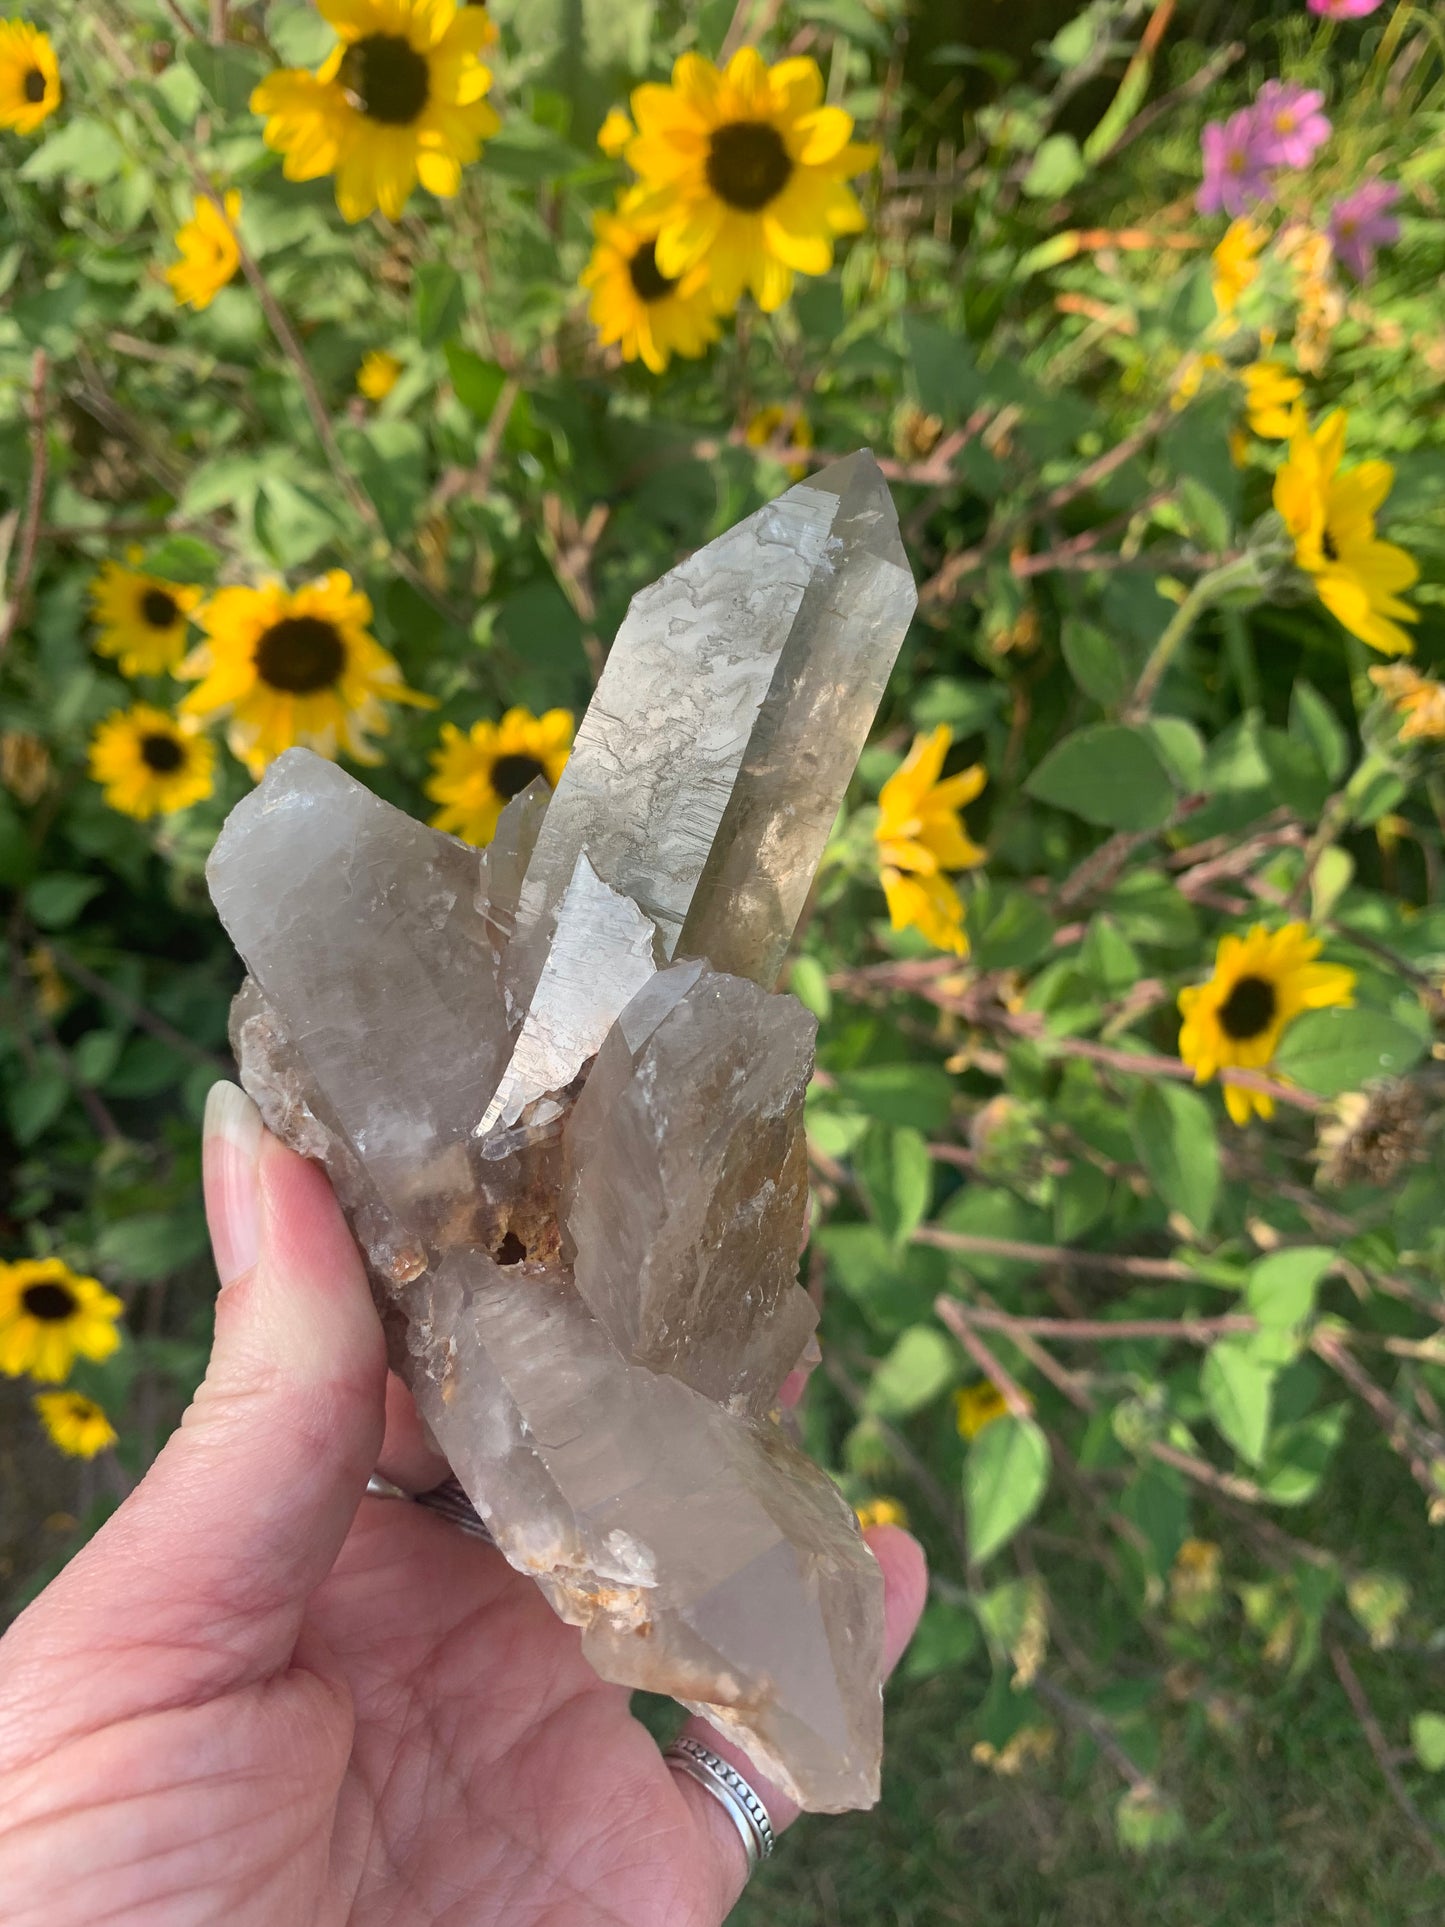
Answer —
447 1500
732 1793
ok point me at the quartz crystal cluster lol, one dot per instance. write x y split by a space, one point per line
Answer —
561 1105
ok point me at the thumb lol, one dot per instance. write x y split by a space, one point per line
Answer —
212 1558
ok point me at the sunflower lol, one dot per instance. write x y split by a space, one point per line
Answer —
210 252
784 422
75 1423
378 374
29 77
615 133
920 834
650 315
477 773
1270 394
149 764
1260 983
289 668
1419 700
50 1316
978 1405
747 170
399 99
142 618
1332 519
1236 265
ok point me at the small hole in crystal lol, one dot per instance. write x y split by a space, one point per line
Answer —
511 1251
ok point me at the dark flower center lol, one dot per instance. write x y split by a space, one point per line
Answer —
649 283
1248 1010
50 1303
747 164
386 79
161 753
512 774
1330 547
300 654
159 609
33 86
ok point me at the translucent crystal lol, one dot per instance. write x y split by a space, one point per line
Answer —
577 1170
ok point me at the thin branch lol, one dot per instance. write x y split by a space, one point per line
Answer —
1087 1720
1421 1451
1197 84
987 1362
1186 1331
1384 1759
138 1014
19 595
974 1244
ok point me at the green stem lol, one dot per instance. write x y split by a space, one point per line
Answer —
1240 573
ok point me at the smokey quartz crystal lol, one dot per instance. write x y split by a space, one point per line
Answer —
562 1107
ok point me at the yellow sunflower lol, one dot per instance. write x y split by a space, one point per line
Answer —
290 668
378 374
1270 394
477 773
920 834
650 315
781 422
399 100
1260 984
149 764
29 77
1332 519
881 1512
615 133
978 1405
142 618
210 252
748 171
75 1423
50 1316
1420 700
1236 263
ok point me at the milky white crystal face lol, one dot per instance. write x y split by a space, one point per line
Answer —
578 1170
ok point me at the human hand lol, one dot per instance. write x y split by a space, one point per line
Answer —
259 1697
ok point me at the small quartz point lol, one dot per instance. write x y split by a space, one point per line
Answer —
562 1110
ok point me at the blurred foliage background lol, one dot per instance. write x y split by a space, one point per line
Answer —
1163 1393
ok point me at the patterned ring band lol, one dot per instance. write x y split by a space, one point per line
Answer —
732 1793
447 1500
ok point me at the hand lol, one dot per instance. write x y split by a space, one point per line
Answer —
262 1699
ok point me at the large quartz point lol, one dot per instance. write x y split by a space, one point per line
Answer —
562 1108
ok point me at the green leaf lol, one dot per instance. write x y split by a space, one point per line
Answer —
1181 748
1299 1455
33 1103
896 1174
1427 1736
917 1094
1282 1287
1095 661
1175 1137
228 74
152 1244
808 982
920 1366
1057 166
1011 931
1109 774
1238 1391
83 151
58 899
1005 1477
1146 1820
1312 721
440 302
946 1637
478 383
96 1055
893 1289
1332 1051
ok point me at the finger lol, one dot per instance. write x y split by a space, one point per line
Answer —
211 1559
408 1457
905 1590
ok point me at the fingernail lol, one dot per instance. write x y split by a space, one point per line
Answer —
230 1160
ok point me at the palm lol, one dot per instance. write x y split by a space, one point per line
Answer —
492 1774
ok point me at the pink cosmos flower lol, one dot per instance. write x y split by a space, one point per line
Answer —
1362 222
1343 9
1289 126
1234 168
